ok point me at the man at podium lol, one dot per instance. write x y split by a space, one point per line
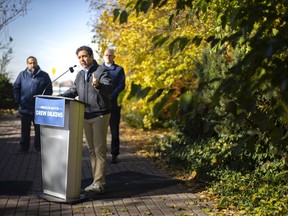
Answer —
93 85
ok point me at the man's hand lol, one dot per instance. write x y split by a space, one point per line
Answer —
95 82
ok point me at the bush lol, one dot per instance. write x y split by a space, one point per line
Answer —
241 153
6 93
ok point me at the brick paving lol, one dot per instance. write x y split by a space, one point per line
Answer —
142 197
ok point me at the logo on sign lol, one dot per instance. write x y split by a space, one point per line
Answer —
50 111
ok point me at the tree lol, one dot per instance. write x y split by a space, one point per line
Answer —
263 35
10 10
248 106
6 93
148 64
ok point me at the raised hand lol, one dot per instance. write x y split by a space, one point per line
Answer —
95 82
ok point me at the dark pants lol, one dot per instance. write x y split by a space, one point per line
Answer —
114 128
26 121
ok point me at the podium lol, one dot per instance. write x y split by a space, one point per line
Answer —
61 132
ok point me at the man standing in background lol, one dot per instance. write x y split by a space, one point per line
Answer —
118 81
30 82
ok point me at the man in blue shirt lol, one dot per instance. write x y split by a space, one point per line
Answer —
118 82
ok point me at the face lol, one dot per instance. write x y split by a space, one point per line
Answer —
85 59
108 56
31 64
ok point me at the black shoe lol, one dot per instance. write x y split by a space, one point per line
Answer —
114 160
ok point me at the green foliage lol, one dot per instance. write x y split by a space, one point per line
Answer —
137 92
227 109
6 87
9 12
261 192
158 107
220 142
6 93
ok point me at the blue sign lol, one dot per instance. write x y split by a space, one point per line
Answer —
50 111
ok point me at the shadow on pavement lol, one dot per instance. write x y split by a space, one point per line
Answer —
128 184
19 188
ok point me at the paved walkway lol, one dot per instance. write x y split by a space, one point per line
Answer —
134 186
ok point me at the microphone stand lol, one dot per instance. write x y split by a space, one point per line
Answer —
70 69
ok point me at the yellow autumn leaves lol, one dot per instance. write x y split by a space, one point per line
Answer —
148 63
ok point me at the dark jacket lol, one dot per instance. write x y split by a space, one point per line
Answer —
98 99
27 85
118 79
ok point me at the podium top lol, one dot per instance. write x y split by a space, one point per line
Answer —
60 97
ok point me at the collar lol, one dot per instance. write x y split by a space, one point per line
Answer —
36 71
112 66
92 67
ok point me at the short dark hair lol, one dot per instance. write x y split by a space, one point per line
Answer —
35 59
86 48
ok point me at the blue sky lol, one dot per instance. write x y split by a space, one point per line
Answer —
51 31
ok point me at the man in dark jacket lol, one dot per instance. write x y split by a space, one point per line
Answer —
93 85
118 80
30 82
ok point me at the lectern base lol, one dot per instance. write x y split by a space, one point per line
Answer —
82 198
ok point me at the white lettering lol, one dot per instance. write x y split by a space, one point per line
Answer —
55 114
41 113
49 107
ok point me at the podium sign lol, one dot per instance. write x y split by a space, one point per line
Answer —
61 124
50 112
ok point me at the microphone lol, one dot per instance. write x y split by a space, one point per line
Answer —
71 69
